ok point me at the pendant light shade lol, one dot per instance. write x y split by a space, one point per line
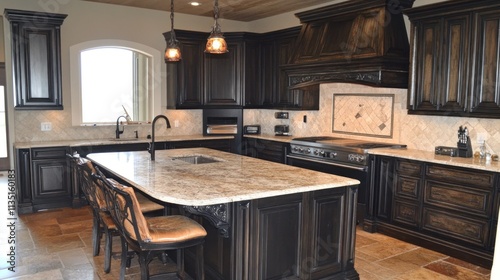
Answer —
216 43
173 51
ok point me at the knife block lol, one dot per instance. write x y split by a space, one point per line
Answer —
465 149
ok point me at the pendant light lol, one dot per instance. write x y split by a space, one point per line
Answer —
173 51
216 43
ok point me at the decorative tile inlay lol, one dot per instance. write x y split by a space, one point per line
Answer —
363 114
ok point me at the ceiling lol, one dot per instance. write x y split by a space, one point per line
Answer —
240 10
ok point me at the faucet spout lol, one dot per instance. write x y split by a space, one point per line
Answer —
118 131
151 148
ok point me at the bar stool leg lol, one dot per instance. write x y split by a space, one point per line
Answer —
180 264
107 250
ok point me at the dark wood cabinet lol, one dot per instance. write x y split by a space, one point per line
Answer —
275 49
307 235
453 58
44 179
36 59
448 209
248 75
185 78
203 80
223 75
266 149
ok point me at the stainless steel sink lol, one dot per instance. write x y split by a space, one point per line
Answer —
197 159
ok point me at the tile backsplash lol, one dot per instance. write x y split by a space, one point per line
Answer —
416 131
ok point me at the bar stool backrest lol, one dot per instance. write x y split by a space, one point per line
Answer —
93 193
125 209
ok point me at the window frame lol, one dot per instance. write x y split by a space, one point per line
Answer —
76 90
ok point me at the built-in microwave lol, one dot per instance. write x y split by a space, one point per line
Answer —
224 122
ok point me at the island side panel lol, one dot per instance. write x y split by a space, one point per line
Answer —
307 235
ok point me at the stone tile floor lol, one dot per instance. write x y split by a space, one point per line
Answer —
56 244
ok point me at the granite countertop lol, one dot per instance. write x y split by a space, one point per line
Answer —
233 178
427 156
111 141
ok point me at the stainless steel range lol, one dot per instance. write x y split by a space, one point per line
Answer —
336 150
339 156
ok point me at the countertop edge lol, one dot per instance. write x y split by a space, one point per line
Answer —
431 157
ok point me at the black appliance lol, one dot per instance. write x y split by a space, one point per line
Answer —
339 156
225 122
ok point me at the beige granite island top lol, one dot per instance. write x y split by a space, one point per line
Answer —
233 178
428 156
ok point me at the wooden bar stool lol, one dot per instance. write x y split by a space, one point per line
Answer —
102 221
151 236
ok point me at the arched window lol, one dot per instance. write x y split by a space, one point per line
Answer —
110 77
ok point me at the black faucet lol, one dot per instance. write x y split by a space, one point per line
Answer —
151 148
118 131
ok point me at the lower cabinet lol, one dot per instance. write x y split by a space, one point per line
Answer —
307 235
44 179
449 209
266 149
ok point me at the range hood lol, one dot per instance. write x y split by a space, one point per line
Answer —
358 41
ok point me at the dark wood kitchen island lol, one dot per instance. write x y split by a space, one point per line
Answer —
264 220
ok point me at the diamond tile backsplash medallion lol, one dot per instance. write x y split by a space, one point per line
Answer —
363 114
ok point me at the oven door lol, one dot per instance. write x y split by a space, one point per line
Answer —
357 172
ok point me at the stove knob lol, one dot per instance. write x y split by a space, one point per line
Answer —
301 150
308 151
322 153
295 149
333 155
316 152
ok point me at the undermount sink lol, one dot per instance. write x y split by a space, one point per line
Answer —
196 159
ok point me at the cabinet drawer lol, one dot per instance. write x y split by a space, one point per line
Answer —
469 230
406 213
49 153
409 167
407 187
458 198
473 178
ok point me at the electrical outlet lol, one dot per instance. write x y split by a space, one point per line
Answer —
176 123
481 137
46 126
281 115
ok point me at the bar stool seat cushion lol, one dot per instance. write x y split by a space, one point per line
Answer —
148 205
174 228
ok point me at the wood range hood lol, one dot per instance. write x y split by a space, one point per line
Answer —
358 41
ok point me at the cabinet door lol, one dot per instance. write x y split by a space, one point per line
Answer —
267 73
426 41
223 77
275 231
486 78
267 150
185 78
36 59
252 72
454 84
383 188
323 248
51 181
284 48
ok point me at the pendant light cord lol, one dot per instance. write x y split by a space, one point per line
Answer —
172 36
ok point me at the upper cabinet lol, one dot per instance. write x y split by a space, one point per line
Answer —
36 61
247 76
201 79
454 57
